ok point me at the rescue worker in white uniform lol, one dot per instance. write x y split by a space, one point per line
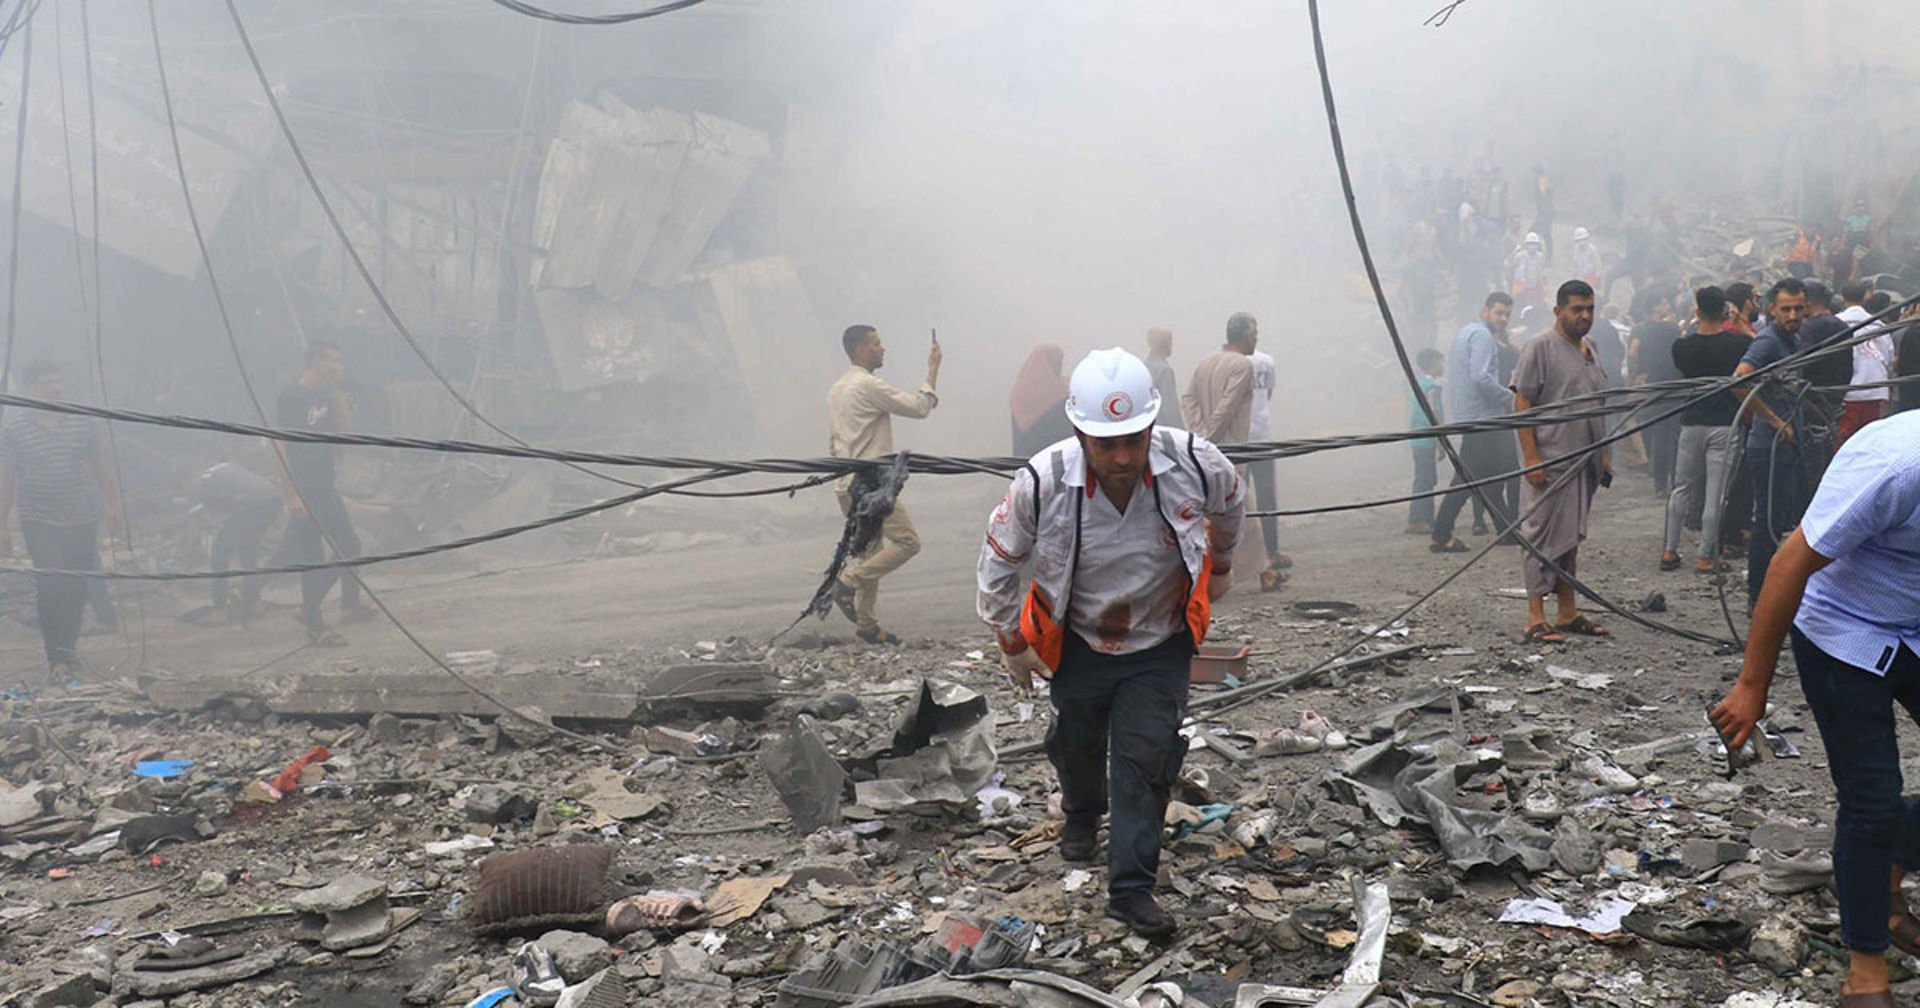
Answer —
1127 532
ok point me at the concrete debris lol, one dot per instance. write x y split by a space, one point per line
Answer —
863 841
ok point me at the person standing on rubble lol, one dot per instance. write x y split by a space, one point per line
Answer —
860 411
1129 531
1219 404
1477 390
1160 363
1845 586
1557 365
1773 440
55 467
317 519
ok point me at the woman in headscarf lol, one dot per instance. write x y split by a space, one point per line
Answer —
1039 401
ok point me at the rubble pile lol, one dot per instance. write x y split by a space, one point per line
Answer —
1428 824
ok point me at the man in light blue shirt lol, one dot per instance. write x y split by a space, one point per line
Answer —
1476 390
1846 584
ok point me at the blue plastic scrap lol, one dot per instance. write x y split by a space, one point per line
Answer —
162 769
491 998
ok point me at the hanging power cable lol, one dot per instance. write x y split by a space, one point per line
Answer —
246 380
359 264
518 7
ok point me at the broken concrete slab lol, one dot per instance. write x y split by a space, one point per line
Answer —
576 695
576 955
343 893
166 984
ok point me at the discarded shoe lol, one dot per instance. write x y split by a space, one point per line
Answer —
535 978
1139 911
1540 806
1716 934
1531 747
654 911
1805 872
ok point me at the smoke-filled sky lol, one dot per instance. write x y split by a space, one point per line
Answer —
1019 171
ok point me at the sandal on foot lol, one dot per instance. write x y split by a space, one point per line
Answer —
1871 999
1280 561
1582 626
1670 562
325 638
876 636
1540 633
357 614
1272 579
1904 933
1450 546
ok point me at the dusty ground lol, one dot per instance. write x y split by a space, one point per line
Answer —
642 605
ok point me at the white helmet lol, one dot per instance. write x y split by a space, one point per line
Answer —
1111 394
1533 238
1581 234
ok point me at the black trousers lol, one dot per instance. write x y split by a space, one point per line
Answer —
1663 450
1485 454
237 543
61 598
306 542
1115 742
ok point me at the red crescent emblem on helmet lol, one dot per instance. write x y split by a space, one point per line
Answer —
1118 406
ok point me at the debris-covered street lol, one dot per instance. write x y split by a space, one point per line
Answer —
916 504
1595 851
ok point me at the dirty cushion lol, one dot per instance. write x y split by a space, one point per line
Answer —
542 888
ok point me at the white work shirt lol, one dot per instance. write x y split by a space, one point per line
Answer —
1129 584
1866 517
1260 427
1872 358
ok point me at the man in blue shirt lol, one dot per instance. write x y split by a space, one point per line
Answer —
1846 584
1479 391
1773 440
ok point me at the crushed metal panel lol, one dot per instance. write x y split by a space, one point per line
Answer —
575 209
659 150
718 163
631 196
222 133
763 313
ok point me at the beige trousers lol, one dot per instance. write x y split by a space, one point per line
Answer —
898 543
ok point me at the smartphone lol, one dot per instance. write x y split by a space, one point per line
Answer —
1606 479
936 336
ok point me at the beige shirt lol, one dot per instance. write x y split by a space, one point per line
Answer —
1218 402
860 409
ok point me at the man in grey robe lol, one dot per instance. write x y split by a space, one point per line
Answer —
1555 366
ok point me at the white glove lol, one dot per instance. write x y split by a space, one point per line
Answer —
1022 667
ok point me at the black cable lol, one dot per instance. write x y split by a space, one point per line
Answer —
91 306
1406 363
360 265
518 7
19 164
411 553
246 380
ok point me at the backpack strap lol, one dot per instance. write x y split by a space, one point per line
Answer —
1193 455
